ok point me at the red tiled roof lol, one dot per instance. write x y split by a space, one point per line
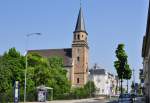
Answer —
65 53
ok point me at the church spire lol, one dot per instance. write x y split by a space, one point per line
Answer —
80 26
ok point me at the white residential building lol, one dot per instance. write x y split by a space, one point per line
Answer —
105 82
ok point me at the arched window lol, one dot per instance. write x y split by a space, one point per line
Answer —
78 37
78 80
74 37
86 69
78 58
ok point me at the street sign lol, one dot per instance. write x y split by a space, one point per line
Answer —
16 92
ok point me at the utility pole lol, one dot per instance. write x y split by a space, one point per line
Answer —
26 64
134 80
134 85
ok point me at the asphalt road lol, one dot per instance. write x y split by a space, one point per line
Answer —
83 101
96 101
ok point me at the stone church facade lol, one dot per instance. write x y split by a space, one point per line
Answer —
75 58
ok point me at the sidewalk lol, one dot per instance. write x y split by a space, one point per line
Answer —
72 101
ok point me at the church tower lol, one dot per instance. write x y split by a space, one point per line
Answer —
80 53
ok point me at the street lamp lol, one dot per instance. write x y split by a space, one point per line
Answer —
26 62
134 84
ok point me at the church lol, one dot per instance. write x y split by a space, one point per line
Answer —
76 58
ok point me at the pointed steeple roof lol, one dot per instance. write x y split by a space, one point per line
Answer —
80 25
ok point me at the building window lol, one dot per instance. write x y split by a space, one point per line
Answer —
78 37
74 37
102 90
77 80
99 90
78 58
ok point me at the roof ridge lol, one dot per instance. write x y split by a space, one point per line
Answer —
49 49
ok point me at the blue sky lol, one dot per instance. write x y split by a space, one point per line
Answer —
108 23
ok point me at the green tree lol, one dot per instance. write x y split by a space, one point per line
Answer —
48 72
132 87
83 92
11 70
5 82
127 74
120 62
40 71
59 78
90 88
80 92
139 89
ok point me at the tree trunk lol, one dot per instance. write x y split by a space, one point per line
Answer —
121 86
116 90
127 86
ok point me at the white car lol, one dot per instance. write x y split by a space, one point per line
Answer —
125 98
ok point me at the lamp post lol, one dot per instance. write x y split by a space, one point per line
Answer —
134 80
134 84
26 64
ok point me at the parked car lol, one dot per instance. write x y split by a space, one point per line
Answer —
125 98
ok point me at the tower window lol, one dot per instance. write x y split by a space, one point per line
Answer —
78 37
74 37
78 58
78 80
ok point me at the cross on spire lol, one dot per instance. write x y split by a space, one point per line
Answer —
80 3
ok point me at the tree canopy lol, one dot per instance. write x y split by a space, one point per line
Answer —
121 64
40 71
